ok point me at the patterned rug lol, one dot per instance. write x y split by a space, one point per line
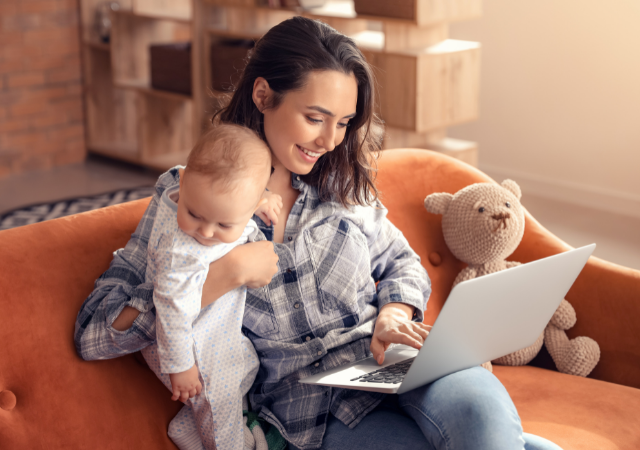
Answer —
45 211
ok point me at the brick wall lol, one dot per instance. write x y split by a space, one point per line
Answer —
41 112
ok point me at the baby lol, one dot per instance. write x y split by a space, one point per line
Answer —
201 355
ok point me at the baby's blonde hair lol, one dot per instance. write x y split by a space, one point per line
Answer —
229 153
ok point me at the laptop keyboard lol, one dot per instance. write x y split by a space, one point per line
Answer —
392 374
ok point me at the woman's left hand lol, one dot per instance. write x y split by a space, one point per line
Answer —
394 326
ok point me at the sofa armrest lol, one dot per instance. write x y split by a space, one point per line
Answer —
606 298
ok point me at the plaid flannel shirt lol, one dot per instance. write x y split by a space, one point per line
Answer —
317 313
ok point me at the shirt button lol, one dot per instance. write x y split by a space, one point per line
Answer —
296 306
319 352
298 178
290 238
317 364
308 338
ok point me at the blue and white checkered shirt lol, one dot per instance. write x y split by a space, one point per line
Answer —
317 313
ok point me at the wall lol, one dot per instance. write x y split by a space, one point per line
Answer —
560 98
41 115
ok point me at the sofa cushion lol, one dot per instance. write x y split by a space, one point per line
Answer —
576 413
62 402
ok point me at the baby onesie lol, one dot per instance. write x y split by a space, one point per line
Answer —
210 338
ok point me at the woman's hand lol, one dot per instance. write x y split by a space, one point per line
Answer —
252 265
394 326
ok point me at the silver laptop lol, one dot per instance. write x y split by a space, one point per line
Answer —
483 319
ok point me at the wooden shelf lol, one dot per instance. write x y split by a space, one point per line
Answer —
146 89
128 154
433 13
165 162
123 152
427 82
157 15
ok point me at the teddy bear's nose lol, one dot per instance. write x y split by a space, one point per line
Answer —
502 220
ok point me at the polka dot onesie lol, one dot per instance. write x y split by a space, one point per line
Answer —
210 338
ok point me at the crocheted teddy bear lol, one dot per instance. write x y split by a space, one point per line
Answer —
482 225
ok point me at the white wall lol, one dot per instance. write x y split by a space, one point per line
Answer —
560 98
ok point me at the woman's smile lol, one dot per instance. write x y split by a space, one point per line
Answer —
308 155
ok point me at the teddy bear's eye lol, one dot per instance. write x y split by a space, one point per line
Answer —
481 210
508 205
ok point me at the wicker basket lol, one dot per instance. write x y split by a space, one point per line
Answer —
171 67
397 9
228 61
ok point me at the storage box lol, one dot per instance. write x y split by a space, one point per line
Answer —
227 62
171 67
397 9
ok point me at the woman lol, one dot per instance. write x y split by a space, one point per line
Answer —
308 91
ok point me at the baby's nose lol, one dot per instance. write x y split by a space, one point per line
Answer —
206 232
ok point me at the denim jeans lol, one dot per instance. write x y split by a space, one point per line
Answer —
469 409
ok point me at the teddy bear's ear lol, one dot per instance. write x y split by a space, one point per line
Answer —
512 187
438 203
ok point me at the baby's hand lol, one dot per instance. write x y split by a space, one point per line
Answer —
185 385
268 211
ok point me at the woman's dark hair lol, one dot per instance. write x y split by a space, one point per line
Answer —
285 56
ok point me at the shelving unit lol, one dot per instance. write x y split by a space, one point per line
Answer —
427 82
126 118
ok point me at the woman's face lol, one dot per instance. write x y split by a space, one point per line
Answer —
310 122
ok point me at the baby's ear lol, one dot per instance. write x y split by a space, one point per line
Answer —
438 203
512 187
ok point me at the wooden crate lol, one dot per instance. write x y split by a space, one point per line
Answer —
228 58
439 87
420 12
171 67
174 9
396 9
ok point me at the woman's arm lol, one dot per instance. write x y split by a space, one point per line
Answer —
403 288
122 288
398 271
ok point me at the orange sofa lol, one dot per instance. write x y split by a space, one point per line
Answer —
51 399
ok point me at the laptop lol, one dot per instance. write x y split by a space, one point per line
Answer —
482 319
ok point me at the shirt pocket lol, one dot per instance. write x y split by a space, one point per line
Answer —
259 317
340 258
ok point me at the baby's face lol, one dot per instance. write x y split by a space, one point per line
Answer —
212 216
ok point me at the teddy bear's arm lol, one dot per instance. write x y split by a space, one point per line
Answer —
510 264
468 273
565 316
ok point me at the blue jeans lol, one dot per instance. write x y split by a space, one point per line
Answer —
469 409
